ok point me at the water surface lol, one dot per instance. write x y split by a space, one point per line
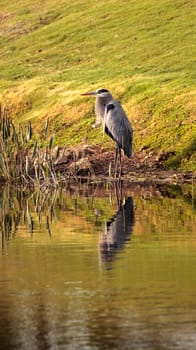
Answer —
97 269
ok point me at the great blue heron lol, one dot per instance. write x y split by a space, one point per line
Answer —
115 122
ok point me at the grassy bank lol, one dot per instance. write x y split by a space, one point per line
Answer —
143 51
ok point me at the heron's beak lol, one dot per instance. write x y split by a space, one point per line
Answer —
93 93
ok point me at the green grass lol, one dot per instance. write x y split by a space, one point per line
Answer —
143 51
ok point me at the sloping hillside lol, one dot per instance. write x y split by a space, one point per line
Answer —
143 51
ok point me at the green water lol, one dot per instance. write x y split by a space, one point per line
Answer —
95 269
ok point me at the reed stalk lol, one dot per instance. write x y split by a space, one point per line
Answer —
22 158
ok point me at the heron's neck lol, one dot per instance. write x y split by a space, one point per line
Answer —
100 104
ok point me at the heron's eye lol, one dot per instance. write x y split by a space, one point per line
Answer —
101 91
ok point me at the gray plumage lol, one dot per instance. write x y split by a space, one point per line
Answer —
114 120
117 126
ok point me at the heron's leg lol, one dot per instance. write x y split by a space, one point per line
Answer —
115 165
120 160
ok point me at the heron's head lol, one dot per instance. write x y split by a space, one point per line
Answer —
102 93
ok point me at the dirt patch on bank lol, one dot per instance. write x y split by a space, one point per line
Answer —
94 161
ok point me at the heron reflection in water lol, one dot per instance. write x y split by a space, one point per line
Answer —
118 231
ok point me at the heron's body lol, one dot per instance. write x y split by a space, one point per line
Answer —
117 126
114 120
